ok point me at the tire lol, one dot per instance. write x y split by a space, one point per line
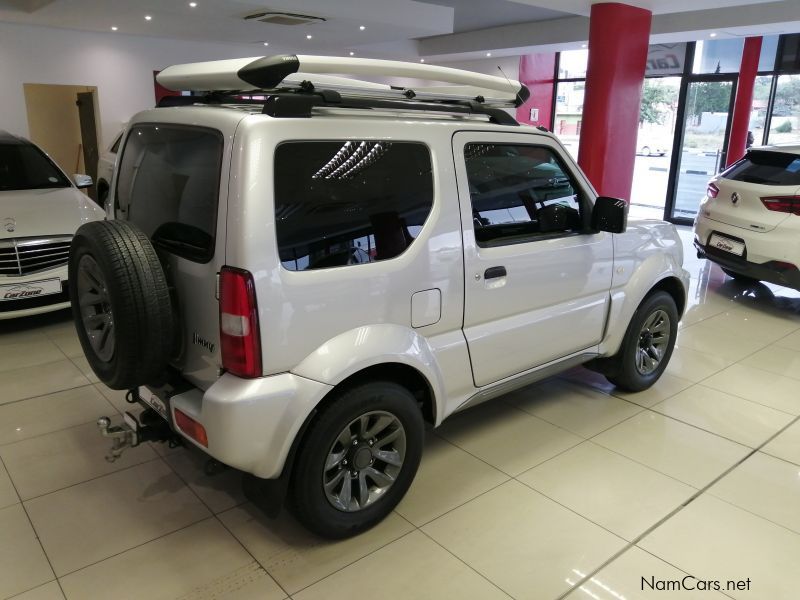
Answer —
125 324
623 369
334 513
738 276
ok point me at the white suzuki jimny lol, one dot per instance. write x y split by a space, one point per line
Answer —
300 271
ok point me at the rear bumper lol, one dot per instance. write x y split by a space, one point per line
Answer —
251 423
771 271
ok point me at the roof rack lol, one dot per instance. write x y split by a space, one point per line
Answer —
294 84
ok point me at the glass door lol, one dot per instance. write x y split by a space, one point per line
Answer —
701 142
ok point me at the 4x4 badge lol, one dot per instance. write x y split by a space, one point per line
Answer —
734 198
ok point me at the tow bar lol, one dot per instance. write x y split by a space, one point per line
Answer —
132 432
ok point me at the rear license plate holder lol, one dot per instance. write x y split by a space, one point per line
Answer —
726 244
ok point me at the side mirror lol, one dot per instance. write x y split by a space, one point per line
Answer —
610 214
82 181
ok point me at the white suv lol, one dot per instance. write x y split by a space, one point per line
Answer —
297 283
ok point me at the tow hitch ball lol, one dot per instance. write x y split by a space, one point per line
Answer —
132 432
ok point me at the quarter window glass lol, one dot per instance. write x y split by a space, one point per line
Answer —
766 168
168 183
349 202
520 193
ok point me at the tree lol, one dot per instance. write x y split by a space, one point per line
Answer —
654 98
708 96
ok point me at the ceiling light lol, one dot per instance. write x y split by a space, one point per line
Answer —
362 28
488 54
148 18
421 60
712 35
308 37
114 28
583 45
266 43
193 4
352 54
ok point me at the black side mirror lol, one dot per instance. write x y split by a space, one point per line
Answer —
610 214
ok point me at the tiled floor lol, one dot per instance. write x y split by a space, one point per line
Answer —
567 489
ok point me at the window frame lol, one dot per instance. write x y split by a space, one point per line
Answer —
128 134
341 140
585 196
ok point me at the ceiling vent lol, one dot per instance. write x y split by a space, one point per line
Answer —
282 18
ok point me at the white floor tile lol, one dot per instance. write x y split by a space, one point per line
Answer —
28 354
219 492
48 591
8 495
116 398
576 408
766 486
708 339
83 365
681 451
791 341
524 543
786 445
38 380
778 360
714 540
757 385
296 558
53 412
667 386
200 562
49 462
412 567
694 365
505 437
619 494
89 522
729 416
637 575
749 324
67 341
23 565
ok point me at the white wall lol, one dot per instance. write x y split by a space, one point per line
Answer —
120 66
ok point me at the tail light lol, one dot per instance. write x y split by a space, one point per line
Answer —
240 337
712 190
191 427
784 204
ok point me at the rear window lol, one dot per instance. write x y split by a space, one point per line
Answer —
766 167
25 167
349 202
168 183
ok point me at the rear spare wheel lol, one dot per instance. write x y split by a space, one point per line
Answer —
120 303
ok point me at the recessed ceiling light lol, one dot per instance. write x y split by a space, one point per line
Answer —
266 43
193 4
488 54
712 35
583 45
148 18
421 60
352 54
362 28
114 28
308 37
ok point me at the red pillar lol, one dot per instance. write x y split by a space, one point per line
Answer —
618 39
737 144
537 71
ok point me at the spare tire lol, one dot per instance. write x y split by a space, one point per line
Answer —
120 303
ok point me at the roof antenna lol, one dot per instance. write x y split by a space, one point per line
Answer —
504 75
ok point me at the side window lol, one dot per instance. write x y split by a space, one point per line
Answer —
115 146
520 193
350 202
168 183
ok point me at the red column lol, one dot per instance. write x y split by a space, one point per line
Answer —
743 105
537 71
618 40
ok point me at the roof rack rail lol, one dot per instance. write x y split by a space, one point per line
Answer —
289 71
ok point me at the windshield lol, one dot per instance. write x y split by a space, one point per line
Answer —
25 167
766 167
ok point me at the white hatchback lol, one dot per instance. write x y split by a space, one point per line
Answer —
40 209
749 222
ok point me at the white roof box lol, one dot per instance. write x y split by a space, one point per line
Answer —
288 70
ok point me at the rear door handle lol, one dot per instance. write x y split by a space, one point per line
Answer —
494 272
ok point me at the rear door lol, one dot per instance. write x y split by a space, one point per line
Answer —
169 183
537 279
754 191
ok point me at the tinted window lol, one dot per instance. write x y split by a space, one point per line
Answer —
115 146
25 167
520 193
349 202
168 182
768 168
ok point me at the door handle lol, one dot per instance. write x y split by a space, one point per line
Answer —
494 272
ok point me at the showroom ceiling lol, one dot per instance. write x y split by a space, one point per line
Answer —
435 29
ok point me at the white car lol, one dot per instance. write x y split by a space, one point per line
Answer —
749 221
297 285
105 169
40 209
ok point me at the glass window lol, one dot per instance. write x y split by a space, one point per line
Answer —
519 193
758 111
665 59
169 182
789 60
572 64
24 167
767 168
785 124
769 48
115 146
718 56
569 114
350 202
